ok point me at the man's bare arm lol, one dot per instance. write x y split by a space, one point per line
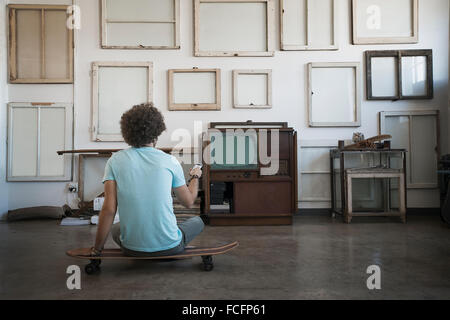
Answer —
107 214
187 194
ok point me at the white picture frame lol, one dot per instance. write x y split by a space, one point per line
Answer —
334 94
116 87
422 143
234 28
194 89
385 22
298 24
252 89
36 131
140 24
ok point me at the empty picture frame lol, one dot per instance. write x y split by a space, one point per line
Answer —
334 94
252 89
40 44
300 29
418 132
399 75
229 28
385 22
36 131
116 87
194 89
140 24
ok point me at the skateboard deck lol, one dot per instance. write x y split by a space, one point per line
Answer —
206 253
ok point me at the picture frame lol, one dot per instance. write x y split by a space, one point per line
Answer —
344 79
203 95
297 32
251 100
40 48
410 78
385 22
125 84
138 25
250 24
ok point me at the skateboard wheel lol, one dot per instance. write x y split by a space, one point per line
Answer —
92 268
207 263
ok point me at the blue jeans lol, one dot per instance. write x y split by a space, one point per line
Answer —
189 228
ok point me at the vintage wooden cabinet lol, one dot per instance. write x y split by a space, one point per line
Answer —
237 191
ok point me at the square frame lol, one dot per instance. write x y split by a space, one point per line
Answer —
12 45
270 24
95 136
358 96
237 73
194 106
399 54
68 141
414 38
308 47
105 21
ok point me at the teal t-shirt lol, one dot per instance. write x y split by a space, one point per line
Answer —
144 180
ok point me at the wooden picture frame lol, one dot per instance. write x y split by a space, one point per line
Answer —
382 16
397 58
298 11
208 25
319 91
267 103
407 123
122 85
32 46
211 103
41 129
146 23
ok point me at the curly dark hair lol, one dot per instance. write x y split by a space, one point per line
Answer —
142 125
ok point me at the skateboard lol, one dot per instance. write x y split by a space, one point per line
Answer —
110 254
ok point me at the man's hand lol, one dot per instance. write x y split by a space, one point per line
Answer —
196 171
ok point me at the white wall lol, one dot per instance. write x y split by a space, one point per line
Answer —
289 87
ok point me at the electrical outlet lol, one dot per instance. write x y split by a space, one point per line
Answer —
72 187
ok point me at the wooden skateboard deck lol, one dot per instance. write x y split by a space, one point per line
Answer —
110 254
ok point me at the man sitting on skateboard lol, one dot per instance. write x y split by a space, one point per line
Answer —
139 182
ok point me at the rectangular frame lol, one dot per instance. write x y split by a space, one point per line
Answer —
194 106
357 67
175 22
290 47
12 45
269 31
436 113
399 54
95 136
414 38
237 73
68 141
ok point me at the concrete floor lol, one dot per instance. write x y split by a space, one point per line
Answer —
316 258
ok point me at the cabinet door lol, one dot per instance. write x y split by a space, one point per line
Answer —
262 198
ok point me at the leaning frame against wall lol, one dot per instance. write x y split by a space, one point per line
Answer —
385 22
334 94
234 28
298 30
36 131
142 24
116 87
40 44
399 75
414 131
194 89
